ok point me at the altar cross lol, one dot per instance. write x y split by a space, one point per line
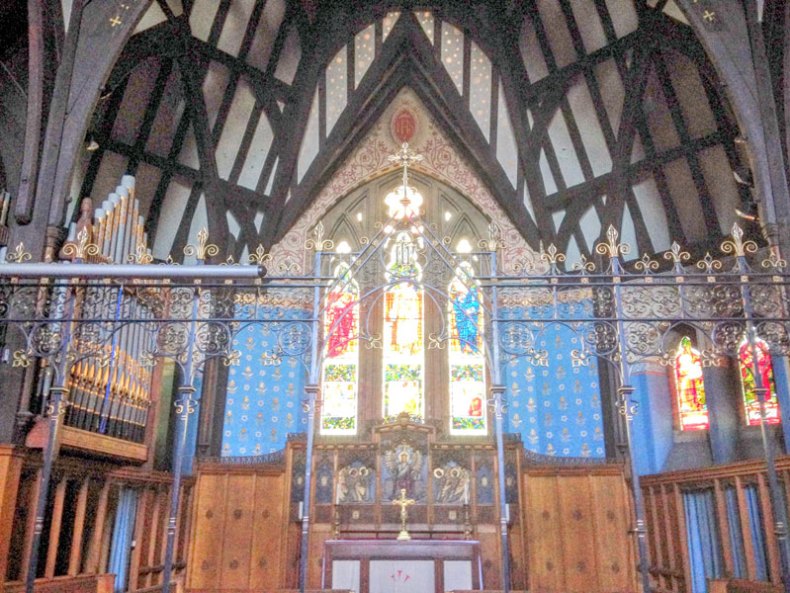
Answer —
403 503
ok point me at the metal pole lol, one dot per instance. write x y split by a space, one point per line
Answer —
137 271
761 390
184 408
58 400
624 393
497 389
312 390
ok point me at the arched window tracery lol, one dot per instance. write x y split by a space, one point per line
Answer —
690 387
340 371
465 354
403 347
749 384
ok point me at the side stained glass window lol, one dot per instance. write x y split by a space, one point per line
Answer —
465 356
749 384
690 388
340 370
403 349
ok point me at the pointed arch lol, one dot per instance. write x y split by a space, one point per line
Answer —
340 367
466 360
690 387
403 346
749 391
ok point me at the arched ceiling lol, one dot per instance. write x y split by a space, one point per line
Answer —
233 114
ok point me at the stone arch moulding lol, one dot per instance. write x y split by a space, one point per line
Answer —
370 160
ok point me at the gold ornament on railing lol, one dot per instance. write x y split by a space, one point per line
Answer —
583 266
140 256
676 254
435 342
81 249
204 249
737 246
260 257
708 264
551 255
646 265
232 359
317 242
19 255
21 359
774 261
494 241
612 248
579 358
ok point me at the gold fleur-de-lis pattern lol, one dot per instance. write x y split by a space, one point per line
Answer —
555 408
264 392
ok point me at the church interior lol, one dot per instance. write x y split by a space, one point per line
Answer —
394 296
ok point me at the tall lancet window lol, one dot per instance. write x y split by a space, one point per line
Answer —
341 355
403 354
465 356
690 388
749 384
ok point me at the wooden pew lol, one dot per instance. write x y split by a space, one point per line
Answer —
741 586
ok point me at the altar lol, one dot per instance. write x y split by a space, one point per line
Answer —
391 566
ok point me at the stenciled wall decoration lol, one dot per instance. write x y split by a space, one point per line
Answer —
265 390
555 407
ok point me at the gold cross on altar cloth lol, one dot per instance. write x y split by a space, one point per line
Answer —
403 502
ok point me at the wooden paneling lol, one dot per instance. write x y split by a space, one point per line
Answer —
236 548
10 471
666 523
237 538
611 517
268 545
577 522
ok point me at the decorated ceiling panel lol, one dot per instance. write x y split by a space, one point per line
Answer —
575 115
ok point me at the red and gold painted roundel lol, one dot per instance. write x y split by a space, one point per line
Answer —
403 125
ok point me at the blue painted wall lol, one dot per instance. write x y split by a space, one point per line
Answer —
555 408
264 403
653 422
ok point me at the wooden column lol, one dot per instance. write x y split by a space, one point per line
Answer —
30 524
771 545
152 538
54 527
10 474
75 557
139 530
724 527
748 547
94 551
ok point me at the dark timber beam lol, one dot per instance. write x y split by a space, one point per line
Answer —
733 40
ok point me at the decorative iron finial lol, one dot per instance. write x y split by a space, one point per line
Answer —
141 255
318 242
676 255
204 249
259 257
552 256
737 246
19 255
82 248
612 248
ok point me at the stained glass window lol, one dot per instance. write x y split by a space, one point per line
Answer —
341 356
749 385
403 350
690 388
465 355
